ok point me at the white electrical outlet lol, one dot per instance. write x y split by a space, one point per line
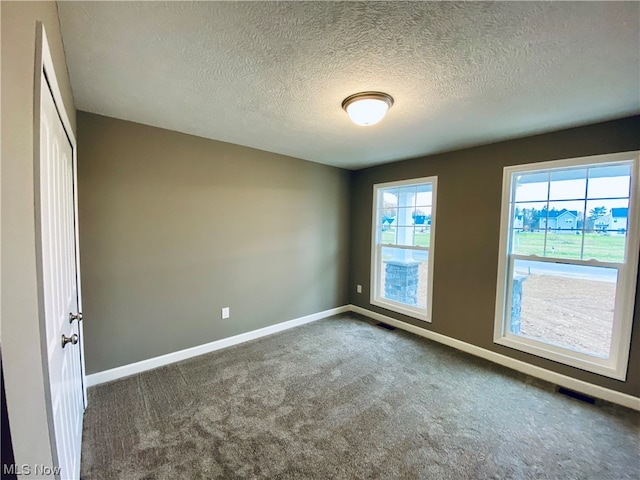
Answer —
225 313
359 288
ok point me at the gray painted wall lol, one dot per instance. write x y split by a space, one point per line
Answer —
21 348
465 268
174 227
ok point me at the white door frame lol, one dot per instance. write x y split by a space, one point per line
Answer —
44 67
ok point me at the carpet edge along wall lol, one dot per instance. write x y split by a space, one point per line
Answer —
467 239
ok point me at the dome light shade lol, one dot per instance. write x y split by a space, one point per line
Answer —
367 108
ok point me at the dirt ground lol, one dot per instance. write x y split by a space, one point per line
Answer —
569 312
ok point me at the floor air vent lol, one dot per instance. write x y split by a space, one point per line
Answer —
384 325
577 396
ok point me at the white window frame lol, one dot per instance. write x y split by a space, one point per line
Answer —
616 365
376 251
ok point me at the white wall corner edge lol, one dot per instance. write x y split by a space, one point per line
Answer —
173 357
559 379
571 383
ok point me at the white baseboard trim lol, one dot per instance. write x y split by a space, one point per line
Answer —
538 372
155 362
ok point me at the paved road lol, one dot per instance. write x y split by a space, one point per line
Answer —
572 271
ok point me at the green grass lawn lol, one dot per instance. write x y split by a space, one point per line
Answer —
420 239
606 248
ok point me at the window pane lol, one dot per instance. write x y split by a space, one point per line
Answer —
401 256
407 197
602 213
568 294
390 195
422 236
527 238
568 184
564 245
403 276
388 202
421 216
607 222
386 221
388 235
405 216
405 235
609 181
605 247
419 235
531 187
424 196
527 215
564 216
528 243
564 220
570 306
381 218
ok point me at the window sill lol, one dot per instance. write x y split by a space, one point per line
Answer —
604 367
418 314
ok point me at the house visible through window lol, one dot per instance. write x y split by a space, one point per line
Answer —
568 261
402 246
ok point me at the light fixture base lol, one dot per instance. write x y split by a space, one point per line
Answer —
385 97
367 108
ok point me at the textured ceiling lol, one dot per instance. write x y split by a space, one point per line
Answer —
272 75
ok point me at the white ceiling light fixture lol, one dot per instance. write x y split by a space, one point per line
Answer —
367 108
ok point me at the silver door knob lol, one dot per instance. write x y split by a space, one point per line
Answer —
73 339
75 316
